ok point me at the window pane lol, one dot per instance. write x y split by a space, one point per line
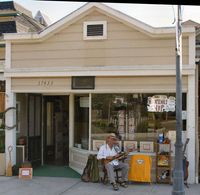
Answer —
49 132
127 115
31 117
37 115
81 121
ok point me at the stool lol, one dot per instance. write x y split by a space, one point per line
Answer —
104 180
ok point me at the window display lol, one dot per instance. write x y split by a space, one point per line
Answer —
139 117
132 117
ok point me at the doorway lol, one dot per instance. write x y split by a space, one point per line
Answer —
56 130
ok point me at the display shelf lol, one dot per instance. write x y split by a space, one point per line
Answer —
163 162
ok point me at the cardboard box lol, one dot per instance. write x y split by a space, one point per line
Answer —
25 173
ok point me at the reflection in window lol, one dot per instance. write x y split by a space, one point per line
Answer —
127 116
81 121
49 131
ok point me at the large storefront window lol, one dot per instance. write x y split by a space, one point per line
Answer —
138 117
81 121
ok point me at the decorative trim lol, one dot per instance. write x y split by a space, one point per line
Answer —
155 70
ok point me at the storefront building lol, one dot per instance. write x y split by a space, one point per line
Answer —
94 72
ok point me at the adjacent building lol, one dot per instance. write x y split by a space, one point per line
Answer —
14 19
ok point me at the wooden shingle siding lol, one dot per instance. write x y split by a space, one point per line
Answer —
95 53
82 62
124 46
108 44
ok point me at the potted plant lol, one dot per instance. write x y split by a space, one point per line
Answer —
2 153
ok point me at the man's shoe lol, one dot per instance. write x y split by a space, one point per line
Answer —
115 186
124 184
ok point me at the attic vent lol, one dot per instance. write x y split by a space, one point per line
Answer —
95 30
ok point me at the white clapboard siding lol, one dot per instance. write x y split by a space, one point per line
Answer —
124 46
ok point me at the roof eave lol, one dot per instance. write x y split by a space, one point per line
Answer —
21 36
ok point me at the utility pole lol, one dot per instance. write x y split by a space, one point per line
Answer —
178 177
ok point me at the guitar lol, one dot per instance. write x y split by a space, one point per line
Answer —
185 161
119 156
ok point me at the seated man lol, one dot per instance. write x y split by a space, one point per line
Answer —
109 152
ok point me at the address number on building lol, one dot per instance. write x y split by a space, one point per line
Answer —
45 83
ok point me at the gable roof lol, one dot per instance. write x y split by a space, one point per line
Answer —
191 23
102 8
195 24
42 18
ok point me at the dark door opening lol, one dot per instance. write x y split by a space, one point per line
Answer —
34 128
56 130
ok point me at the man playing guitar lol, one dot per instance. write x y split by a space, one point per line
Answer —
110 154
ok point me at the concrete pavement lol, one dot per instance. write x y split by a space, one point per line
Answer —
71 186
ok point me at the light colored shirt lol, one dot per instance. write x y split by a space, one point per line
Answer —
106 151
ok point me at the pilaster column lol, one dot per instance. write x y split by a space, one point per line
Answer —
10 121
71 120
191 128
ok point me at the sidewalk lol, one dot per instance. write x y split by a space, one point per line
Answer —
69 186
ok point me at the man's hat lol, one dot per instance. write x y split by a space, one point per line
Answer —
112 136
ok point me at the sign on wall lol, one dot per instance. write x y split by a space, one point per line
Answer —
83 82
84 102
161 103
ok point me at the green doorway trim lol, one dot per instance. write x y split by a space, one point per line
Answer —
55 171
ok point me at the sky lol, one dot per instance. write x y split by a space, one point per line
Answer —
151 14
